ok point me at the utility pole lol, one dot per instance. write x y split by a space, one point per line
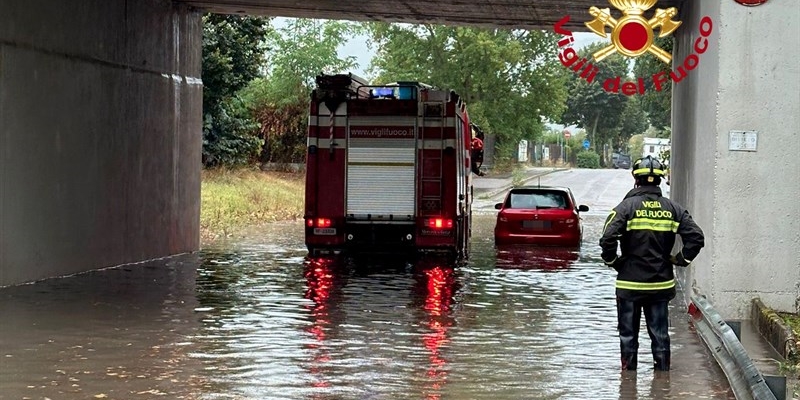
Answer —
558 142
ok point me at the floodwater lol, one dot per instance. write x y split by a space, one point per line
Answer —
253 319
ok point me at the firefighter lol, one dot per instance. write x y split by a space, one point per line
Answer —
645 225
477 150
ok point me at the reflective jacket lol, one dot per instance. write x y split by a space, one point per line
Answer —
645 225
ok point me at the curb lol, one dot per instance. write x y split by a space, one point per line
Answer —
774 330
494 192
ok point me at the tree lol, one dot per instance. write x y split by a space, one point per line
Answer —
632 121
636 144
509 79
232 56
298 52
657 104
593 108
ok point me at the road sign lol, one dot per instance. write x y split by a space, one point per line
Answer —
586 144
567 134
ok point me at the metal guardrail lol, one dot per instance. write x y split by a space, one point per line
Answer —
745 379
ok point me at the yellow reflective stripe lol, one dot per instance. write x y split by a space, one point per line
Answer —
647 171
645 285
609 219
649 224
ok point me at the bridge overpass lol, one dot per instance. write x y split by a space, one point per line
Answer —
100 140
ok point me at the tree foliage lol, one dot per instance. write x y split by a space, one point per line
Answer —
593 108
510 80
233 49
632 121
657 104
588 159
298 52
636 145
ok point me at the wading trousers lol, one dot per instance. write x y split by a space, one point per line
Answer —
656 315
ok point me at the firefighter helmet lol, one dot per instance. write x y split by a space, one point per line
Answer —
648 166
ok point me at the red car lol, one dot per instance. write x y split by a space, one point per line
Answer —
540 215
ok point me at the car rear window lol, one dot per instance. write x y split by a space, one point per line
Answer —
538 199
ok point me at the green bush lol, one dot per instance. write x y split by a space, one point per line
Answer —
588 159
228 135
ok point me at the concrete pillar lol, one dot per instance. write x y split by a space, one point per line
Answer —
100 134
746 202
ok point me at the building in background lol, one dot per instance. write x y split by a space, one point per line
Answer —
655 147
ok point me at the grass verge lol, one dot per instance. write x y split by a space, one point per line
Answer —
792 366
793 320
231 200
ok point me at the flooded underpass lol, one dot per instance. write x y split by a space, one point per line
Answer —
253 319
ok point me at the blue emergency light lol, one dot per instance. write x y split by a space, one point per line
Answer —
383 92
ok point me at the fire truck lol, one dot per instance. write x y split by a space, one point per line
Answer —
387 169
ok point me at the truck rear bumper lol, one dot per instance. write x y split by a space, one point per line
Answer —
376 239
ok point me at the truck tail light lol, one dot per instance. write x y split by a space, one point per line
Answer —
439 223
319 223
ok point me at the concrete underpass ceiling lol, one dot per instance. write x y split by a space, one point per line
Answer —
524 14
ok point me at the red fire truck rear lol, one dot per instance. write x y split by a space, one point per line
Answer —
388 169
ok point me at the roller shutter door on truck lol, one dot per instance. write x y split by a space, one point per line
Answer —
381 168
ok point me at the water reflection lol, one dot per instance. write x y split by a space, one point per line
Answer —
360 302
659 387
324 279
536 257
435 287
254 319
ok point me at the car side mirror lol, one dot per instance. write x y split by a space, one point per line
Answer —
583 208
498 206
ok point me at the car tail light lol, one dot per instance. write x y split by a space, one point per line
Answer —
439 223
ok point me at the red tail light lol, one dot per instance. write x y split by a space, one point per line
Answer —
319 223
439 223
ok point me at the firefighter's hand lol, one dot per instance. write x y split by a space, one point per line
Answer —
678 260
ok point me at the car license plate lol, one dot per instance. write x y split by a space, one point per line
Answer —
539 225
324 231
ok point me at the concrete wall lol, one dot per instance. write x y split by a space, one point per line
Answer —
745 201
100 134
